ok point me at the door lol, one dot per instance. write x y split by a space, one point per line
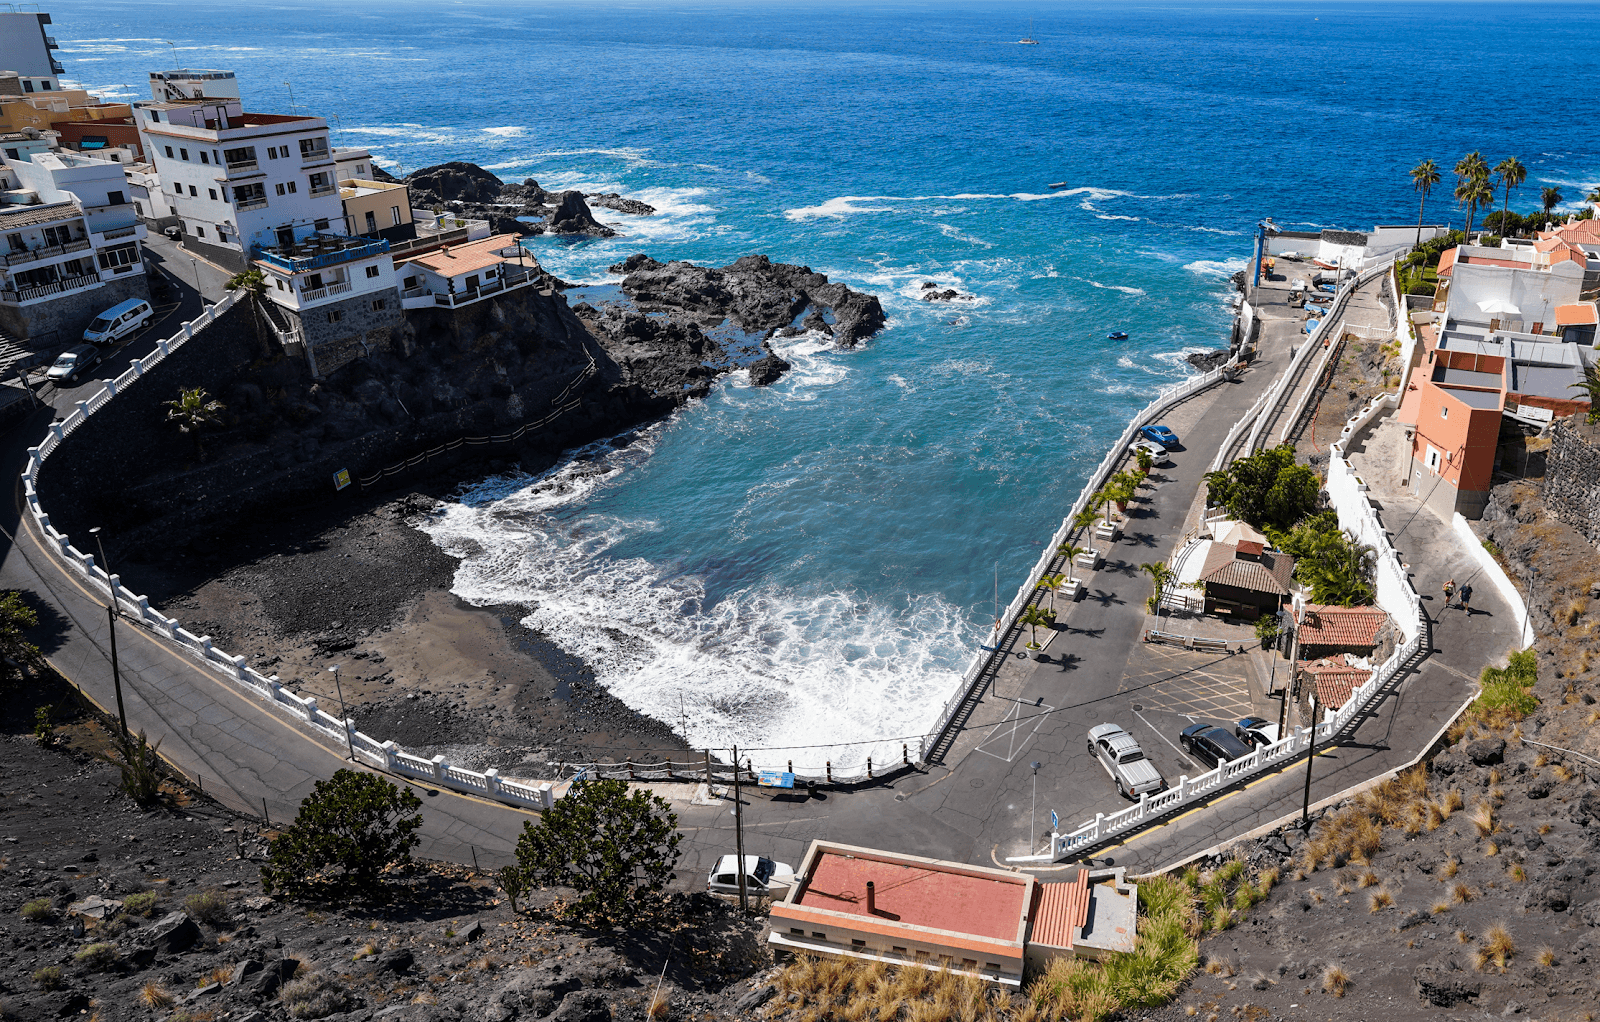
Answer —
372 222
285 237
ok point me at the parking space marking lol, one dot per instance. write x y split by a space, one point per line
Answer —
1012 723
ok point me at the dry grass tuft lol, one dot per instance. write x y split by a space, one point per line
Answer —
1561 773
1544 828
1463 937
1546 956
1541 760
1335 980
1462 894
1451 865
1498 944
1369 879
1381 899
1482 818
1491 849
1517 873
154 995
1440 906
221 974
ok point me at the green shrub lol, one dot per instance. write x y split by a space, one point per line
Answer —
48 978
615 847
209 906
98 957
142 904
39 910
350 830
313 996
140 764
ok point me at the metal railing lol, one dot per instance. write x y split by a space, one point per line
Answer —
31 255
250 204
354 249
243 167
46 290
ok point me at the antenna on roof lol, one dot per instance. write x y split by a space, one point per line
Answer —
290 87
175 65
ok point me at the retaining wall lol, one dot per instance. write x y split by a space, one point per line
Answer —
1572 475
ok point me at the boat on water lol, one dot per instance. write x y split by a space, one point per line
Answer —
1028 40
1117 335
1059 184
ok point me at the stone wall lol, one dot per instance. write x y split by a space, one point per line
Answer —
1572 475
59 323
358 331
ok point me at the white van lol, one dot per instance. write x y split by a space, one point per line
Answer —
118 321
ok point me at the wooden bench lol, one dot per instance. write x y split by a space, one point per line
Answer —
1166 638
1214 645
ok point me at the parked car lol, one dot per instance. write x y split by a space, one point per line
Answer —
1157 452
72 364
1256 732
761 875
1212 744
1159 435
119 321
1124 760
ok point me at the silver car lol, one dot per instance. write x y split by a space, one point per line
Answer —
761 875
1125 761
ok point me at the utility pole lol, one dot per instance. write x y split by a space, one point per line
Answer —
111 619
738 833
344 714
1033 814
1311 753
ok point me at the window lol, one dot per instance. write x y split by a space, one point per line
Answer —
311 148
17 244
361 168
169 152
488 274
280 188
293 187
312 282
280 284
334 317
379 304
992 965
27 86
372 271
857 943
897 949
971 963
57 235
819 936
1444 411
155 115
213 192
116 199
199 231
194 193
372 220
411 281
238 156
183 154
138 207
394 212
204 158
1433 458
795 932
46 86
250 195
320 183
12 154
177 189
320 225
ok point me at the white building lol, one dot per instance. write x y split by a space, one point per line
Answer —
457 275
190 84
1515 289
71 242
27 49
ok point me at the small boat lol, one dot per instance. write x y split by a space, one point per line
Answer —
1117 335
1028 40
1059 184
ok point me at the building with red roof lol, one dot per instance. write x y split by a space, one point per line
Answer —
1326 630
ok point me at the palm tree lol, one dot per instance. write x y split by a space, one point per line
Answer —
254 285
1163 577
1145 460
1071 552
1551 198
1052 583
1085 518
1593 197
192 412
1423 177
1033 617
1511 173
1473 192
1590 385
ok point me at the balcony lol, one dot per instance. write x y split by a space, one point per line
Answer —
317 294
43 252
31 294
315 156
243 167
50 42
249 204
321 250
422 298
324 190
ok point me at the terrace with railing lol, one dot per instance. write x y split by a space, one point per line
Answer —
320 250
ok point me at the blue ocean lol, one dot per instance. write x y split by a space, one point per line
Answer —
807 569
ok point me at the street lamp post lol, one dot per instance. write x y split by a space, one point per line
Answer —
1311 753
1033 814
111 618
344 714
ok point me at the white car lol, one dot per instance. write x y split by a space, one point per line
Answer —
1157 452
762 875
1119 753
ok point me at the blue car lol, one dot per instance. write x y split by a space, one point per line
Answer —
1160 435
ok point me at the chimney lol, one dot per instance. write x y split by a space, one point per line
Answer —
872 898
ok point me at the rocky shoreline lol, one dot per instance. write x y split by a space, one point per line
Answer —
467 190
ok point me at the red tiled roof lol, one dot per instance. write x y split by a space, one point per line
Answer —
916 894
1059 909
1250 547
1334 681
1323 625
1447 262
1580 314
1270 574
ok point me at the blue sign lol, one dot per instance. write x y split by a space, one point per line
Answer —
776 779
1055 821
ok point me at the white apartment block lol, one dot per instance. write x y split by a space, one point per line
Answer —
27 48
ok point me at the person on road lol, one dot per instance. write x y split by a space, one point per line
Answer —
1449 590
1466 598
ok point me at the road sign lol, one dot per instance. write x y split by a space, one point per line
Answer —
341 479
1055 821
775 779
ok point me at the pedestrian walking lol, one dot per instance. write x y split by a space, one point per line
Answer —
1449 591
1466 598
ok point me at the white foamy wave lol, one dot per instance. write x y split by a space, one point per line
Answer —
902 383
1113 216
849 205
1125 289
1125 361
955 232
509 131
1212 230
762 667
1216 267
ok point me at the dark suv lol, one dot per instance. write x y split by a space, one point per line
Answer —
1212 744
